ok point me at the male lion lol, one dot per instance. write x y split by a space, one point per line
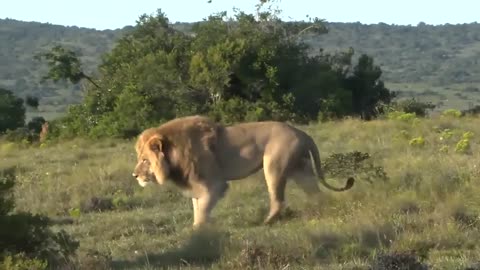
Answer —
201 156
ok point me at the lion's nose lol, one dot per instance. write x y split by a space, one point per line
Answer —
134 175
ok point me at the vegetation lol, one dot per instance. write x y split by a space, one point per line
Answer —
27 241
414 205
440 67
410 205
12 111
233 69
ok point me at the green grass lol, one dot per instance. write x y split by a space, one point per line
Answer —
429 204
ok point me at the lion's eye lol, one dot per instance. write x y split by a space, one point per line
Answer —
144 161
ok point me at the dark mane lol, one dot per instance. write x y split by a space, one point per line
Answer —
186 142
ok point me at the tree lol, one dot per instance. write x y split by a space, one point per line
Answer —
367 89
12 111
236 68
32 101
63 64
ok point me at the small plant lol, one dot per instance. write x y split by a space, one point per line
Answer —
402 116
414 106
446 134
452 113
467 135
353 163
444 149
401 261
22 262
417 142
463 146
74 212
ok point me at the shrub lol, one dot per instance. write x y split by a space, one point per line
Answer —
463 146
417 142
35 125
22 262
472 111
414 106
12 111
452 113
20 135
353 163
400 261
402 116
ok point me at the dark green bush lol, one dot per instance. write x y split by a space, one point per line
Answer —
354 163
413 106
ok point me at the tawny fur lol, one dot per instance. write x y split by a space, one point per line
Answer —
44 132
201 157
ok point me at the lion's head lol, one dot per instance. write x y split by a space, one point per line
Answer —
175 150
152 165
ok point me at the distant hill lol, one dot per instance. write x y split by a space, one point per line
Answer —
439 63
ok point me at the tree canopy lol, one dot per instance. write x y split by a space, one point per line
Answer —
12 111
245 67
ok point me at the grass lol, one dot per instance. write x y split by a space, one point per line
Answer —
428 206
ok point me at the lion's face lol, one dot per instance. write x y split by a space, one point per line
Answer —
151 165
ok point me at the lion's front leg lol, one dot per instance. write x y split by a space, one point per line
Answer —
195 211
203 205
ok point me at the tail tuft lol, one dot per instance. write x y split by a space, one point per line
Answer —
349 184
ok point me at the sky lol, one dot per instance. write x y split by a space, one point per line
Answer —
109 14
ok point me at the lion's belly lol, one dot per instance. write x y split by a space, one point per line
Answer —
241 162
241 153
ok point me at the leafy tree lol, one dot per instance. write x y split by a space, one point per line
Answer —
236 68
367 89
12 111
32 101
35 125
63 64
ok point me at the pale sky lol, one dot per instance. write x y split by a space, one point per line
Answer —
109 14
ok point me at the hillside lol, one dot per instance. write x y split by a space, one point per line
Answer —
20 73
436 63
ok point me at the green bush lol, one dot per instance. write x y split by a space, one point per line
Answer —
12 111
452 113
414 106
417 142
402 116
22 262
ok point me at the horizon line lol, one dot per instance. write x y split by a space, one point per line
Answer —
192 22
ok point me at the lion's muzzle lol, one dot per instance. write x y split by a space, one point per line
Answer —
141 181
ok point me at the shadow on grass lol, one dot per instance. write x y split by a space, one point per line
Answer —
202 249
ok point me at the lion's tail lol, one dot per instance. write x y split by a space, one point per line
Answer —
318 167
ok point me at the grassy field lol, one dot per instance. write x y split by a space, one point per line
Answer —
429 204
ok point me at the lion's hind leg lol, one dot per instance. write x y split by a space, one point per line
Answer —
305 178
276 182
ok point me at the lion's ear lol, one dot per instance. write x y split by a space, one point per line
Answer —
155 144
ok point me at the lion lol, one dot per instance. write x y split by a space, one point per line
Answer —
44 132
201 157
